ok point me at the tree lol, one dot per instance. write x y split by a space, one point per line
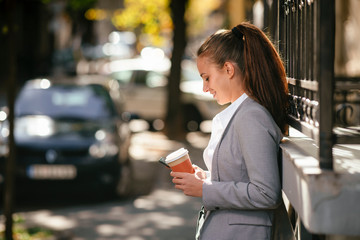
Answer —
174 119
10 54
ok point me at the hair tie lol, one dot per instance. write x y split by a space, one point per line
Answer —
237 33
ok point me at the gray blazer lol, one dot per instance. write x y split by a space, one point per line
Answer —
245 186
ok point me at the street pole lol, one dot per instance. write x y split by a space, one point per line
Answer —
10 36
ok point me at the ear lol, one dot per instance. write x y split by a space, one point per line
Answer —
230 69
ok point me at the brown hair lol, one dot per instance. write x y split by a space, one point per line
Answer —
260 65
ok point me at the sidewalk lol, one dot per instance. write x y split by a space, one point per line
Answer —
157 212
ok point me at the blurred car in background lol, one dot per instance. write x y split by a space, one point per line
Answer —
143 83
70 135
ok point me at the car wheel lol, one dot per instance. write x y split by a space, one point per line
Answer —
124 184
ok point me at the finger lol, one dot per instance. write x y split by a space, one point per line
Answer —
198 168
173 174
180 187
178 181
178 174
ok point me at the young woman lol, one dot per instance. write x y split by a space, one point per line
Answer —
241 190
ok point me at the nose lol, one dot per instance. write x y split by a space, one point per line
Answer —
205 86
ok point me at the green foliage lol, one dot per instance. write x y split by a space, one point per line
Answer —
75 5
22 233
78 5
4 30
35 233
151 17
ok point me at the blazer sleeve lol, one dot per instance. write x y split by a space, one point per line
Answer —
259 139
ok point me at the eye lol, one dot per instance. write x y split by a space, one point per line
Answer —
204 77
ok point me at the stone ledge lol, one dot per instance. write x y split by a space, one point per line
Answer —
327 201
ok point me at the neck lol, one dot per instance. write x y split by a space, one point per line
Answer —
236 91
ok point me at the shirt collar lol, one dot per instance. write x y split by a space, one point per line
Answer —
225 115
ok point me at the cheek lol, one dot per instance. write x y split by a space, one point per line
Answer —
218 82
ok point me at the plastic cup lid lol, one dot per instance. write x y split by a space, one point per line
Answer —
176 155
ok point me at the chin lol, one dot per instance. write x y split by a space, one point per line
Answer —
222 102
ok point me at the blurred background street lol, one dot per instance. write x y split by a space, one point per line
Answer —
153 210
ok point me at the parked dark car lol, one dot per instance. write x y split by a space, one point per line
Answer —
70 135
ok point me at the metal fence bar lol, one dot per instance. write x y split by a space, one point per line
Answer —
325 76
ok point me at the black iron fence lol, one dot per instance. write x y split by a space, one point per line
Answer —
323 105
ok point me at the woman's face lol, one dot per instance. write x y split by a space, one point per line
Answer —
215 80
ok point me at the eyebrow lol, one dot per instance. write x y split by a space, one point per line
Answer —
202 74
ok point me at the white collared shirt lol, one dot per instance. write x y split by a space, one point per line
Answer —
219 123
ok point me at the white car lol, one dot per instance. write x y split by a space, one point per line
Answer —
143 85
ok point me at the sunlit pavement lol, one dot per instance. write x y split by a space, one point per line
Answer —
157 212
164 214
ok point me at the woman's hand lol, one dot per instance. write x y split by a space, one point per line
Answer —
199 172
189 183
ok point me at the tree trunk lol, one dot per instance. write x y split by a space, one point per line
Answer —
10 55
174 123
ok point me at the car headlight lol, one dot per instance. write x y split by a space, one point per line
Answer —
4 134
40 126
104 146
4 130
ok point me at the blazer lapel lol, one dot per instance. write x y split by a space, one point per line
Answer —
215 174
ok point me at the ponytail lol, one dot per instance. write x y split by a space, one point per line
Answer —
264 73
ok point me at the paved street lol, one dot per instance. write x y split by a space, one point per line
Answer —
156 211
